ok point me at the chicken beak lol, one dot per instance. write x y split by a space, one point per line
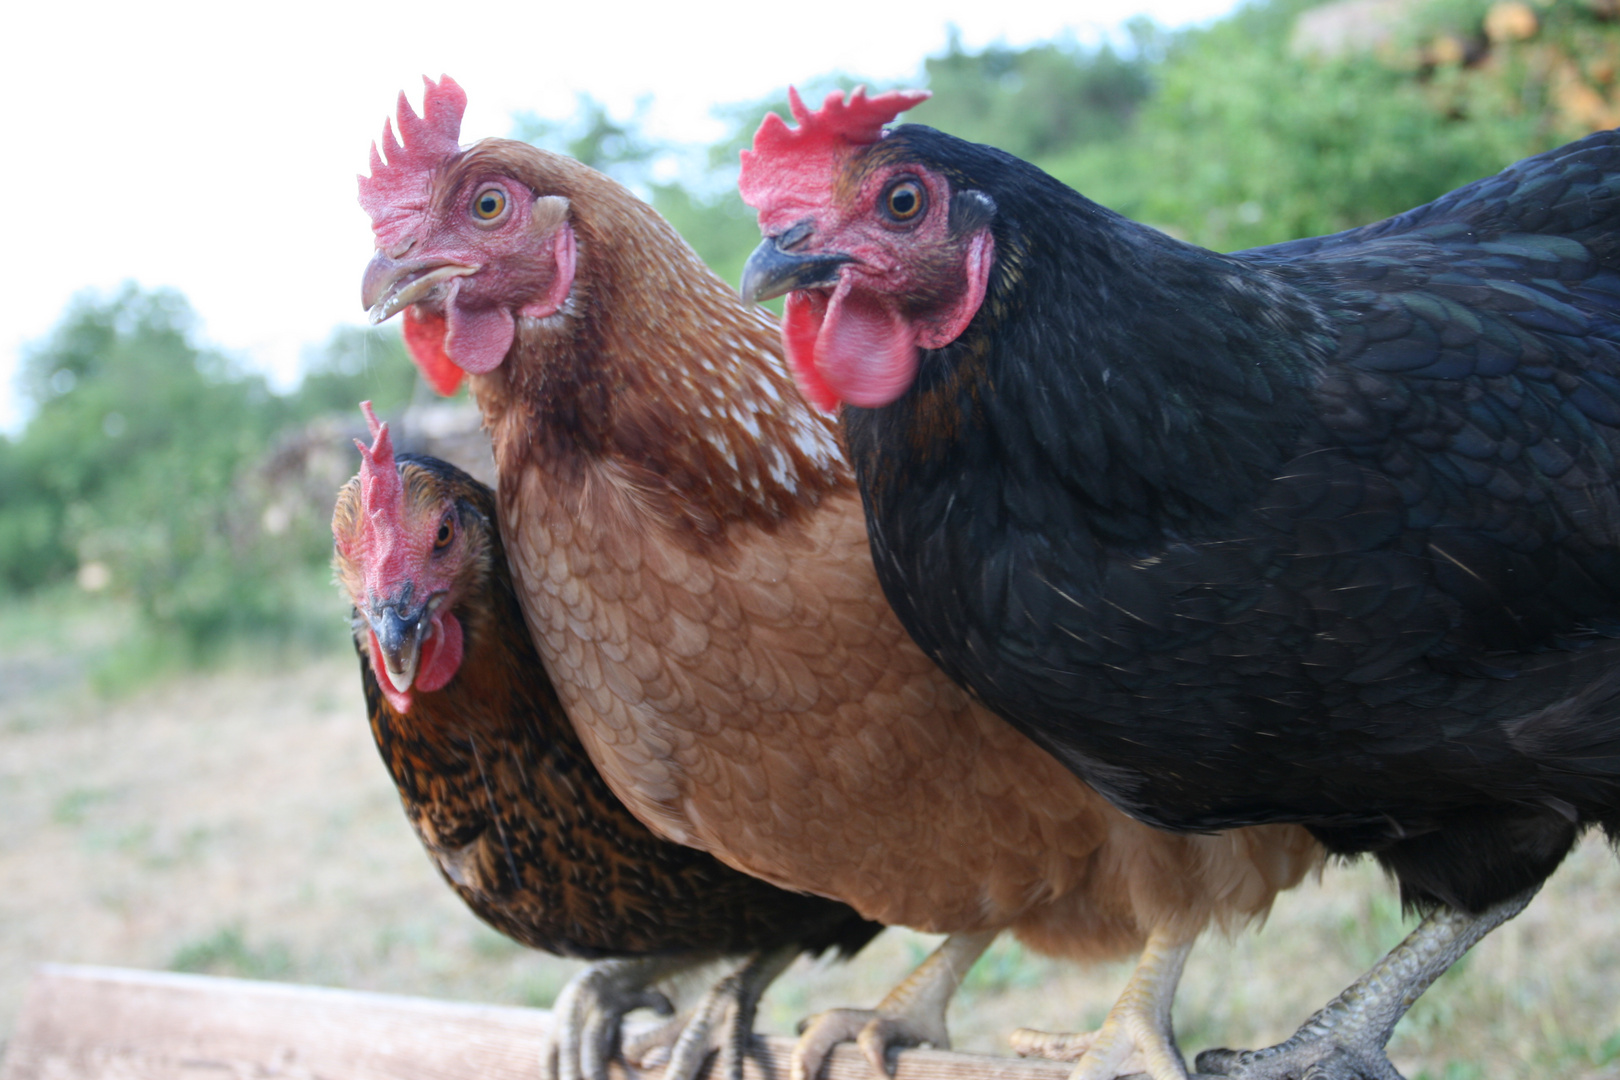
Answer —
773 271
399 637
392 285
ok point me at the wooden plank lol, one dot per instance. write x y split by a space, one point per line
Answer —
93 1023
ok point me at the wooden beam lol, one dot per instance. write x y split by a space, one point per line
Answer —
94 1023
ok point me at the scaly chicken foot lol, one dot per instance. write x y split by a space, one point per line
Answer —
587 1015
912 1014
1137 1029
727 1010
1345 1040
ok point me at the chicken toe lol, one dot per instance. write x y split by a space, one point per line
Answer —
587 1015
726 1016
1345 1039
912 1014
1136 1036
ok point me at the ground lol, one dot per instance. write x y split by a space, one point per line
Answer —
238 822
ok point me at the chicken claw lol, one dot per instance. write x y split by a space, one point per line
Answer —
1345 1040
587 1015
727 1011
912 1014
1137 1035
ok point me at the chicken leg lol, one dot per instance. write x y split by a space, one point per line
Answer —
911 1014
1345 1040
1137 1025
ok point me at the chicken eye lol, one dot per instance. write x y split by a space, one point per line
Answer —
447 533
904 200
489 204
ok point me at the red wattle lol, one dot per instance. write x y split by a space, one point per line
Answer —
424 340
866 351
478 340
441 654
438 664
801 322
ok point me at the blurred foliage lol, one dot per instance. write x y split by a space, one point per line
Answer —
354 365
148 467
1251 139
139 472
1041 100
1235 134
594 137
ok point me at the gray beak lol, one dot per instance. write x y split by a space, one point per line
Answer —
399 636
391 285
771 271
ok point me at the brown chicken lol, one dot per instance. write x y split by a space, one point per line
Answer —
505 801
691 556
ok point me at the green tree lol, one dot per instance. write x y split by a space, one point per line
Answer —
593 136
1247 140
356 364
134 459
1038 100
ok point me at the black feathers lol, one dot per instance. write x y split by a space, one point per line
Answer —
1326 532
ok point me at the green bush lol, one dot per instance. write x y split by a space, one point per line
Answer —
141 460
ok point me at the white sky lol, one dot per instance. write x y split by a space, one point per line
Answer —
213 148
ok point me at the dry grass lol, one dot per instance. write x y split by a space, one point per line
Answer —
240 823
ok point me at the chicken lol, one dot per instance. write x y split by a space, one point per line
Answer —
503 798
1326 532
691 555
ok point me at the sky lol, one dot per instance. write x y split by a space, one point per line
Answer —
213 147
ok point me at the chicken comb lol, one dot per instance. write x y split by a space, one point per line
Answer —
401 168
381 492
779 149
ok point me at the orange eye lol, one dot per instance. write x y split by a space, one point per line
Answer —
447 533
904 200
489 204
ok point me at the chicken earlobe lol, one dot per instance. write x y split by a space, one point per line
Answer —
913 1013
1345 1039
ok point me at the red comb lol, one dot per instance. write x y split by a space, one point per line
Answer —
398 186
837 124
381 492
859 120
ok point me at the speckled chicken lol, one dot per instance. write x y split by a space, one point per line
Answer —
690 553
503 797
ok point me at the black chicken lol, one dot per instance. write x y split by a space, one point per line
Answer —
504 798
1324 532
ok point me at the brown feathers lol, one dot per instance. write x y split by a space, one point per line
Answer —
503 798
692 560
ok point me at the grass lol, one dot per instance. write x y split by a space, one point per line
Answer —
238 822
60 639
226 952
